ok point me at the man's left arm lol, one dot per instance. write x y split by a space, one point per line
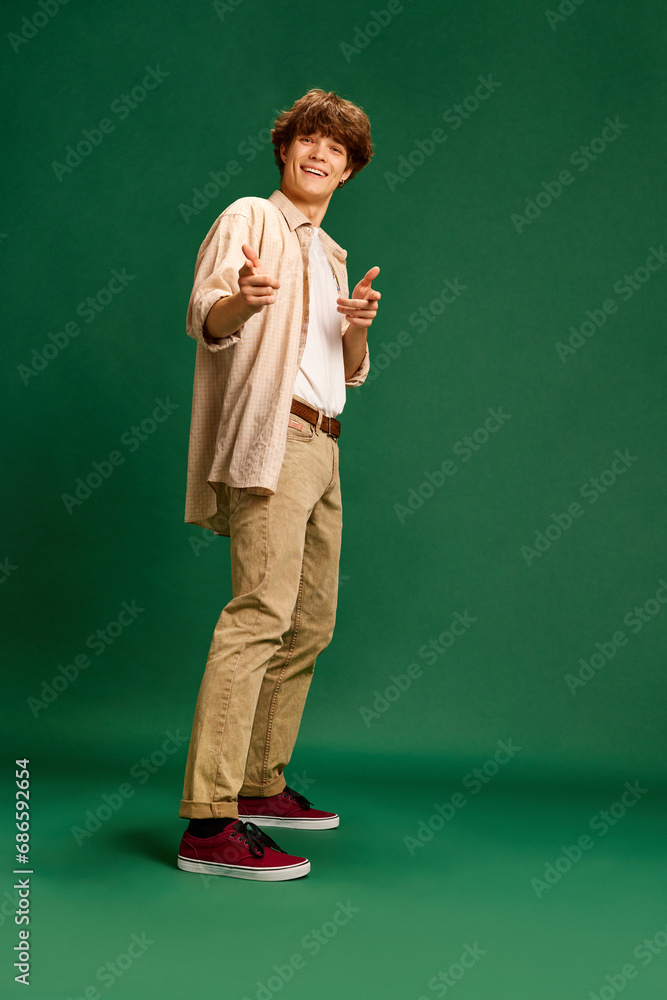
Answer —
359 311
355 354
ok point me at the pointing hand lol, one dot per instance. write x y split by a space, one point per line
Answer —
362 308
255 285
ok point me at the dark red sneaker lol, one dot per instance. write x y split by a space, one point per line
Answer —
287 808
241 850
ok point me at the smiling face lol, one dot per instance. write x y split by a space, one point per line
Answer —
314 166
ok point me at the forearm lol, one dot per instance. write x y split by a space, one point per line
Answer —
226 316
354 347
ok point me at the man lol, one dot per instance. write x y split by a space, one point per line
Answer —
278 341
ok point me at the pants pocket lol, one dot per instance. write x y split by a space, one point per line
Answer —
299 429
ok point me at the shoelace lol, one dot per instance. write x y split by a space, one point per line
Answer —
300 800
256 839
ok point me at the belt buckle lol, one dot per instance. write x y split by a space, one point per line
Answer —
329 432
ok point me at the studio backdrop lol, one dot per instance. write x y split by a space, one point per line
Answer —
503 579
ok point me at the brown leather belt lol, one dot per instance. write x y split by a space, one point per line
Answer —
329 424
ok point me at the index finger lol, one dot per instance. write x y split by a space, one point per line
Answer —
369 276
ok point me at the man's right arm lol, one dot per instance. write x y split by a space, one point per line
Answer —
214 316
226 316
229 287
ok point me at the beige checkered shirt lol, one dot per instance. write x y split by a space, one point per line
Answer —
243 383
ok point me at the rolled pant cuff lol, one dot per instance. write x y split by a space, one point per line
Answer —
263 791
208 810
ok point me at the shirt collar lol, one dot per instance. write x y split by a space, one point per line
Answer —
295 217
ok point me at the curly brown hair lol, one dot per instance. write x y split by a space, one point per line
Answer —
319 111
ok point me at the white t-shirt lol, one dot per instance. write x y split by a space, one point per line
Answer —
321 375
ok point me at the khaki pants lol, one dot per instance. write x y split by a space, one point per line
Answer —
285 553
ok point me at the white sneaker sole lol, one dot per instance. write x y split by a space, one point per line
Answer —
240 871
293 824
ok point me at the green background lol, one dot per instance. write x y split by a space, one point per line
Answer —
228 70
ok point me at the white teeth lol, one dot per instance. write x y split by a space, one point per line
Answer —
313 170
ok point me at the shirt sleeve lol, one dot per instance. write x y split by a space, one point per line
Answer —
359 376
218 263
